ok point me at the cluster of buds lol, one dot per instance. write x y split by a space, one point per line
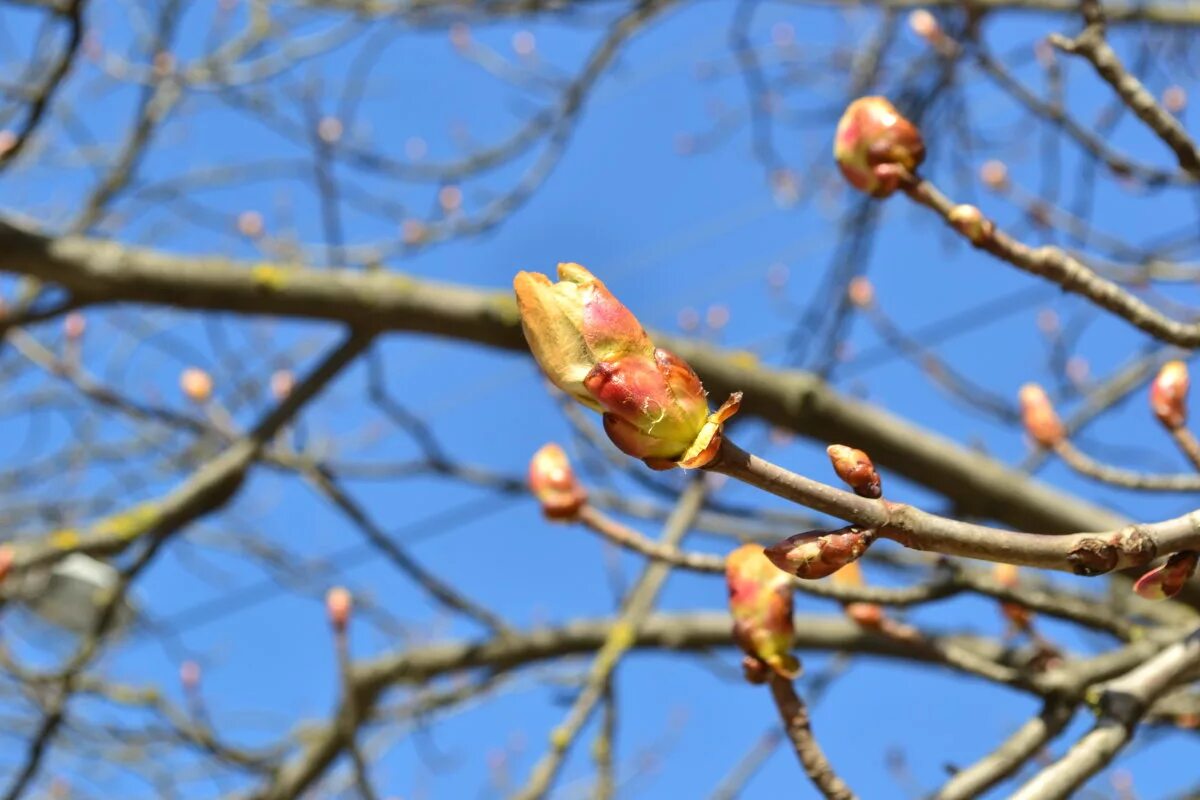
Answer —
1018 615
553 483
971 223
816 554
1039 417
338 605
760 600
1167 580
876 148
594 349
854 467
866 615
1168 394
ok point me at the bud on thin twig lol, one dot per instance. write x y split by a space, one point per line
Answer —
189 674
338 604
1168 394
1038 414
197 385
971 223
855 468
816 554
875 147
553 483
1020 616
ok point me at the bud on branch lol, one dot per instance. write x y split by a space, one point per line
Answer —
875 147
594 349
760 600
1168 394
1038 414
854 467
553 483
816 554
338 604
1168 580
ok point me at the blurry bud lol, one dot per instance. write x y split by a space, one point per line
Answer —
994 175
816 554
971 223
1078 370
92 46
164 64
1007 576
1167 580
785 186
338 604
777 276
8 140
1040 419
197 385
592 347
7 556
783 35
717 316
450 199
189 674
861 291
854 467
413 232
925 26
689 319
330 130
460 36
1043 51
282 383
875 147
760 600
866 615
415 148
1047 322
553 483
250 224
1168 394
74 324
1174 99
524 43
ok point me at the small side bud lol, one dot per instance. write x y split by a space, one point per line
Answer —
971 223
1038 414
553 483
816 554
994 175
1017 614
925 25
338 604
1168 394
1168 580
854 467
189 675
282 384
196 384
875 147
74 325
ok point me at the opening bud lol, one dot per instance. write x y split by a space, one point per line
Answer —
553 483
1166 581
854 467
1039 417
875 147
760 600
1168 394
338 604
816 554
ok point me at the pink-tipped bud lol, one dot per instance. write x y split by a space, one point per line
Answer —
760 600
450 199
925 25
553 483
189 674
1166 581
282 383
971 223
1038 414
994 175
338 604
854 467
1174 99
860 291
330 130
250 224
196 384
7 557
74 324
1168 394
1007 576
816 554
875 147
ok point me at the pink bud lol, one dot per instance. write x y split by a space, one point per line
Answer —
74 324
197 385
760 600
1038 414
816 554
338 604
189 674
854 467
1168 394
553 483
875 147
1167 580
971 223
7 556
994 175
1174 99
250 224
861 291
330 129
282 383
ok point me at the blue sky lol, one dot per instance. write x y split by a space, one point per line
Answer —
670 233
